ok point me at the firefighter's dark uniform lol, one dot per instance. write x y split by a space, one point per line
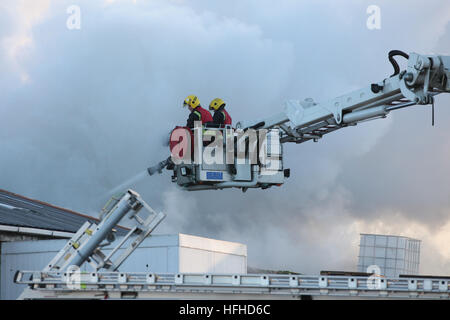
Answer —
199 114
221 117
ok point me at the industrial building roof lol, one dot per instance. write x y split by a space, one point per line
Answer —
17 210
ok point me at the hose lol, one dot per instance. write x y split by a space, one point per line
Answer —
394 63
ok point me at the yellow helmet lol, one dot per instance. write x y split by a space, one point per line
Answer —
191 101
216 104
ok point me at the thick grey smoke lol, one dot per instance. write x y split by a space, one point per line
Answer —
84 110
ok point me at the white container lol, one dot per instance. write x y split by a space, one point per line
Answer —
393 255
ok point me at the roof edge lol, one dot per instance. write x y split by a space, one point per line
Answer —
36 231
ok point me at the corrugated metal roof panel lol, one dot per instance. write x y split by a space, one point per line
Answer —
17 210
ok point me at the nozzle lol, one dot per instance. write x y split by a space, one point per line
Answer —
158 167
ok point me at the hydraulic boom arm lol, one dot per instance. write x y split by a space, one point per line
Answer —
300 121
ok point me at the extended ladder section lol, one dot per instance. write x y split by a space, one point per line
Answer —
86 244
117 285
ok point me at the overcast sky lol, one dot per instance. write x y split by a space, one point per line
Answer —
83 110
